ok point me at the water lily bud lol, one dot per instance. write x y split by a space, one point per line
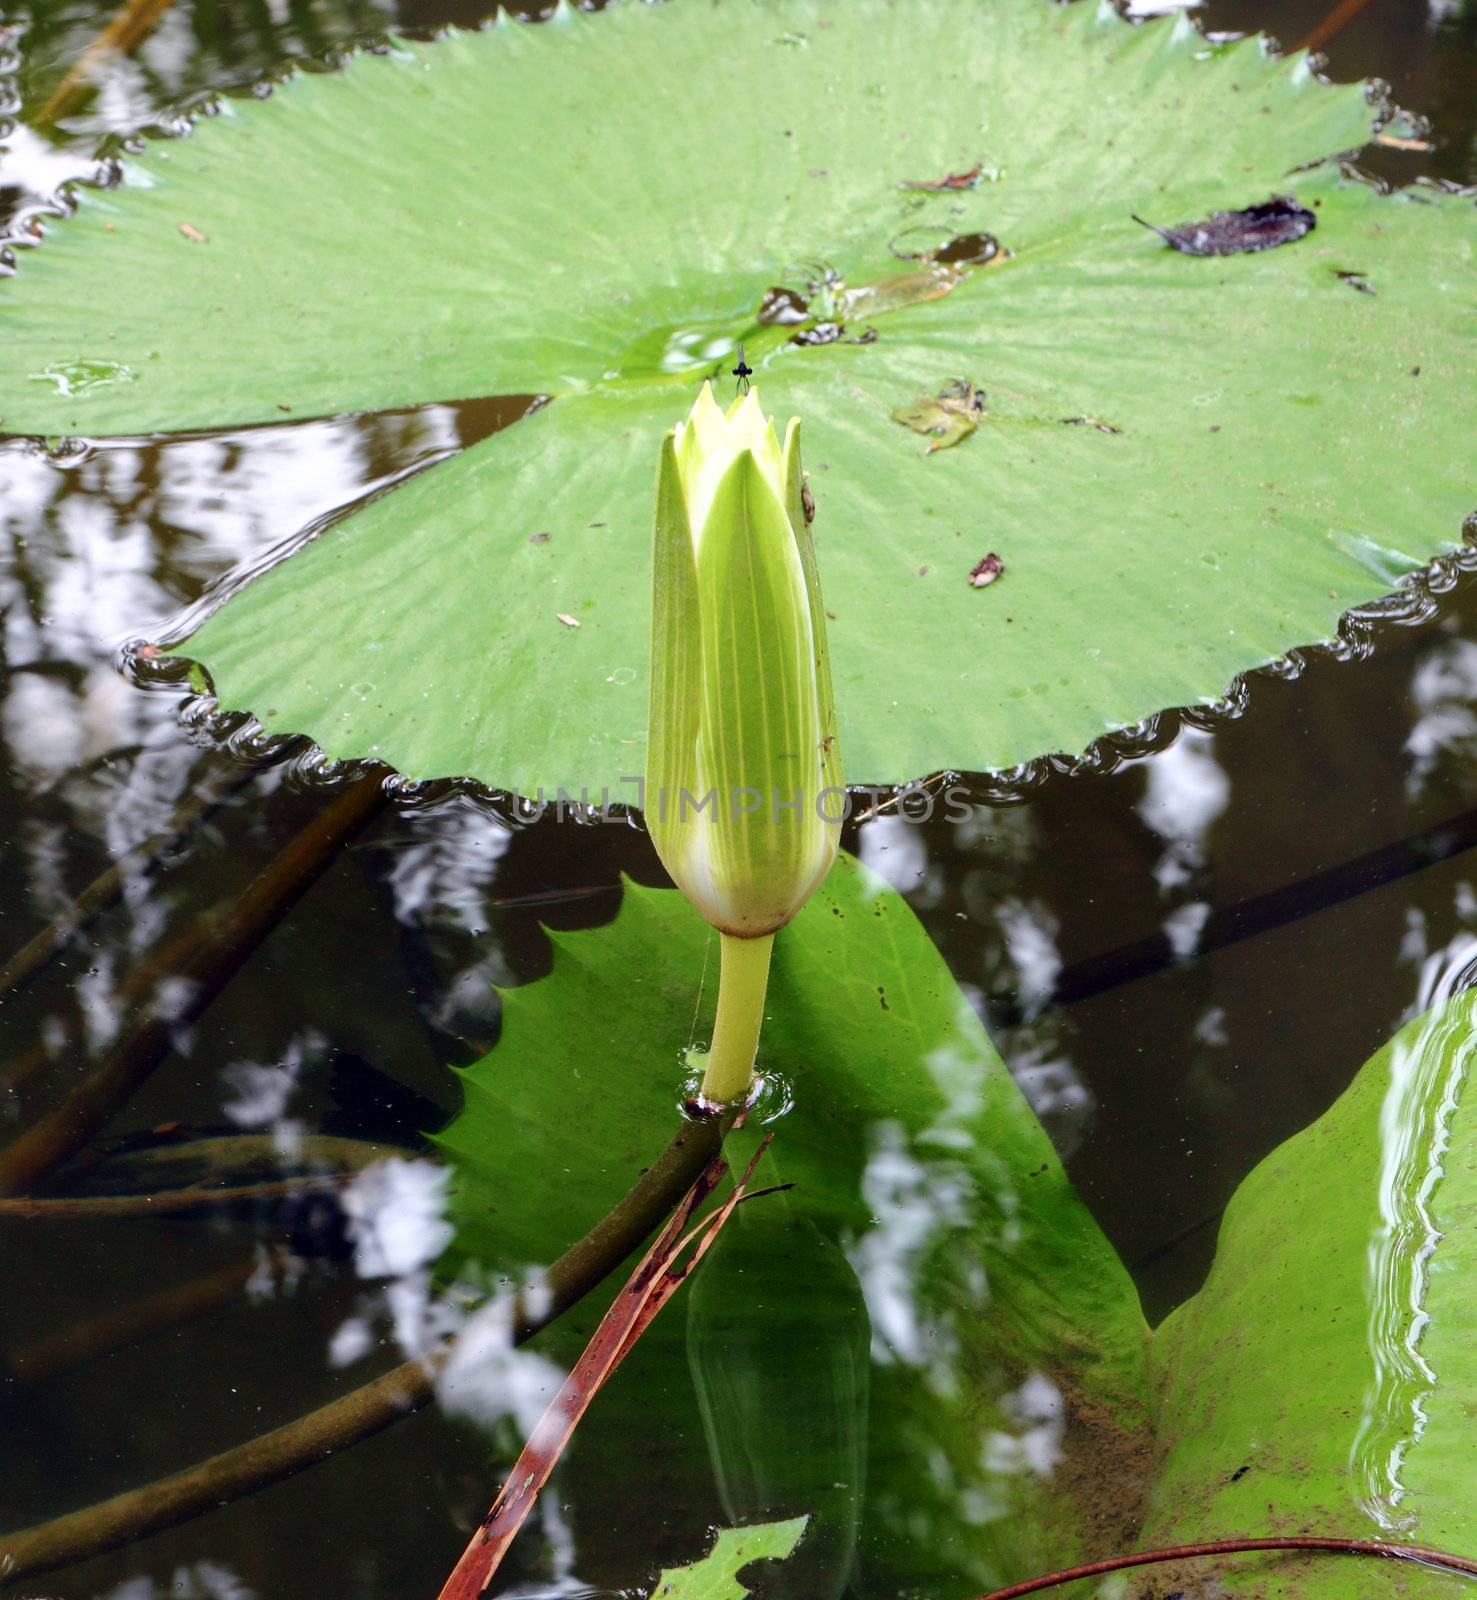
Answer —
744 795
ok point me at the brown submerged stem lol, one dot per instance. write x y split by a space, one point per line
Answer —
206 957
166 1203
369 1409
1236 1547
131 23
114 1330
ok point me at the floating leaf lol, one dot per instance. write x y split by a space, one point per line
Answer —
388 234
1005 1404
1280 220
715 1577
1325 1378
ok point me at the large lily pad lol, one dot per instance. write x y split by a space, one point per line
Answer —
1325 1378
1003 1417
1291 426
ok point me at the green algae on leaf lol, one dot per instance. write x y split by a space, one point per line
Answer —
1325 1378
1005 1416
1277 450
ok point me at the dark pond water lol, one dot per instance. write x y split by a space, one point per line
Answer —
1182 951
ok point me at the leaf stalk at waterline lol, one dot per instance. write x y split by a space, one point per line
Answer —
743 980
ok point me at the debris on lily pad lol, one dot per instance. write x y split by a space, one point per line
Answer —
985 571
1280 220
782 307
950 181
950 415
1091 422
820 333
567 620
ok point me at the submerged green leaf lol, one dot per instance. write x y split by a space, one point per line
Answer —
1002 1422
1325 1378
715 1576
1322 1382
1285 447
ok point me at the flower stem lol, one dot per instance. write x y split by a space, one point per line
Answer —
743 977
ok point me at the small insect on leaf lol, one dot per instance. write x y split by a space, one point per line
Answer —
567 620
951 181
807 502
1280 220
192 233
986 571
743 372
950 415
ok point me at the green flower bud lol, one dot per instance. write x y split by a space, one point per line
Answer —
744 792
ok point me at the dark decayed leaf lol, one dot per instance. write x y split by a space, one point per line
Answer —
1280 220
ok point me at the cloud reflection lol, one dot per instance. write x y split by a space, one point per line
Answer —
1427 1075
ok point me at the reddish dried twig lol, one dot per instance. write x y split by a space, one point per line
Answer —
1236 1547
650 1286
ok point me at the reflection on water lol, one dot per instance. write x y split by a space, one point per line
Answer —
1427 1074
1186 789
205 1580
778 1347
1443 690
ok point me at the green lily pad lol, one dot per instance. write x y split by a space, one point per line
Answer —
1003 1421
1187 465
1325 1378
715 1576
